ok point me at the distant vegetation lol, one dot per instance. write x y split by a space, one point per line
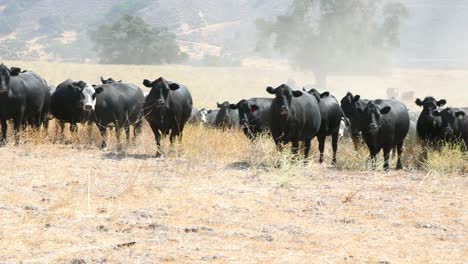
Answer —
130 40
334 36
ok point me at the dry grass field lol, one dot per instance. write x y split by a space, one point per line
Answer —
216 197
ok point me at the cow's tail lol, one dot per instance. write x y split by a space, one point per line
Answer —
344 118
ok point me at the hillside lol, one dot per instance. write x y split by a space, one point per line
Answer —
202 27
433 35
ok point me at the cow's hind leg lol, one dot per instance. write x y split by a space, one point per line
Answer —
400 151
321 140
307 143
386 153
335 137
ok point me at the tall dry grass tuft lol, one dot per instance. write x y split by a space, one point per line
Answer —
449 160
207 145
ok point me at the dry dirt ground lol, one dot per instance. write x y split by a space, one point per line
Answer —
73 203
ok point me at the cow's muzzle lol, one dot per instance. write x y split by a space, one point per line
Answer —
88 107
3 90
373 128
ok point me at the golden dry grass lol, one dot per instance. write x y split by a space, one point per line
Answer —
216 197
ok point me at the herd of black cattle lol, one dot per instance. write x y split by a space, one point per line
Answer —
291 116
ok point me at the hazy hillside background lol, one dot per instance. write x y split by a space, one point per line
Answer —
433 36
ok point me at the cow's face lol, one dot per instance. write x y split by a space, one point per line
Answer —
246 111
160 89
429 104
372 115
284 96
223 115
449 116
90 93
350 105
202 115
4 79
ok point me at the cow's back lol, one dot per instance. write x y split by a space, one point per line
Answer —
28 90
120 102
396 123
331 115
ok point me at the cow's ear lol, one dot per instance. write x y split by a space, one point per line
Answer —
460 114
233 106
209 111
70 86
147 83
356 98
271 90
436 113
441 102
174 86
99 89
102 80
385 110
254 108
418 102
297 93
325 94
218 105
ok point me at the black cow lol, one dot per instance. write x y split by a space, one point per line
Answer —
331 114
227 117
167 108
428 126
384 125
253 115
109 81
350 105
23 98
211 117
67 105
120 104
294 116
454 125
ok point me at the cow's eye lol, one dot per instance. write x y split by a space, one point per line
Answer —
94 96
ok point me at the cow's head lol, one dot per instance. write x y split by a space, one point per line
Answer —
108 80
371 116
246 111
317 95
4 79
224 113
429 104
350 105
284 95
160 90
449 116
90 93
201 115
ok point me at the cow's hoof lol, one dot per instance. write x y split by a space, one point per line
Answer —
159 156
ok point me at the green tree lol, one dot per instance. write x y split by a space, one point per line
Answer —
334 36
132 41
